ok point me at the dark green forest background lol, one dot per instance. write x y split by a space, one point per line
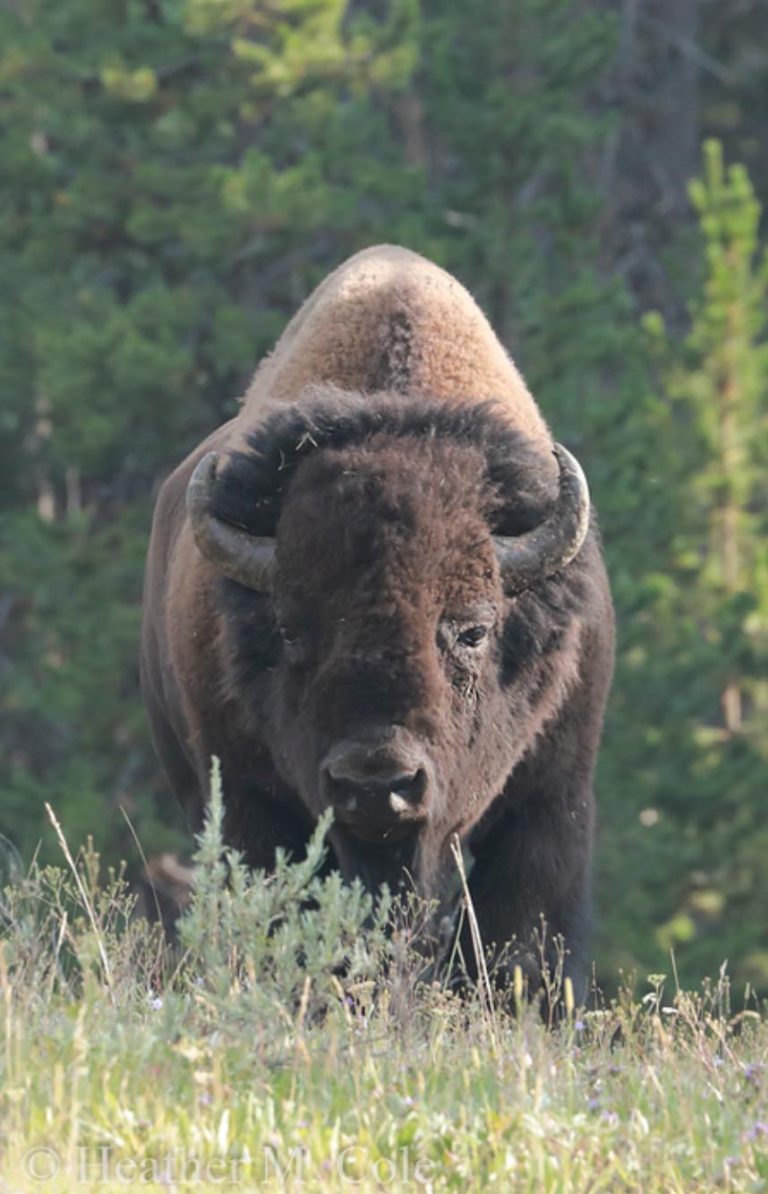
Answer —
176 175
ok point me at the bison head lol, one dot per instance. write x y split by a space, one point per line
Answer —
393 629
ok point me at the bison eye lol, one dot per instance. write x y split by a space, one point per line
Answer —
292 641
473 636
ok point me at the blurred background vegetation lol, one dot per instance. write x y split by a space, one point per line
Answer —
178 174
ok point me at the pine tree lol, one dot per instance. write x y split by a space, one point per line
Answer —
696 648
723 388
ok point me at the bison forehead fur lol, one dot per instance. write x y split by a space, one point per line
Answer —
385 668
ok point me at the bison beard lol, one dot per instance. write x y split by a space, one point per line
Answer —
381 662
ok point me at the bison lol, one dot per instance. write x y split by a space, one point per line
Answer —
379 589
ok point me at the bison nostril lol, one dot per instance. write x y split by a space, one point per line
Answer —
409 788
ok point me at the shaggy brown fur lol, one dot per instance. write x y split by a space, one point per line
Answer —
387 319
382 443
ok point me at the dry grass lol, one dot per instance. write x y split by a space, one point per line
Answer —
287 1046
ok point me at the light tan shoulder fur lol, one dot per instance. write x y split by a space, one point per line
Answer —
388 319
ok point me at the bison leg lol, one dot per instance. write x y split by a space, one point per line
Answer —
177 767
530 892
530 879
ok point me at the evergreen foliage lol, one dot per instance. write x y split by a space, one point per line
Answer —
178 174
691 700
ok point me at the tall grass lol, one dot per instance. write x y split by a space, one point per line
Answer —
289 1041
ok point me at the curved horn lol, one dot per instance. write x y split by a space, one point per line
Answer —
248 559
523 559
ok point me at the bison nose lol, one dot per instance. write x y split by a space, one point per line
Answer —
401 792
372 781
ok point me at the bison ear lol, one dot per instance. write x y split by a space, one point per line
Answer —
245 558
246 495
539 551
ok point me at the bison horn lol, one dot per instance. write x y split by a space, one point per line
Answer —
524 559
248 559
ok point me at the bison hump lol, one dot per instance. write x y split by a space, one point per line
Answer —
388 319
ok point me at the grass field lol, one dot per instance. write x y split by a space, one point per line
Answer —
283 1046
